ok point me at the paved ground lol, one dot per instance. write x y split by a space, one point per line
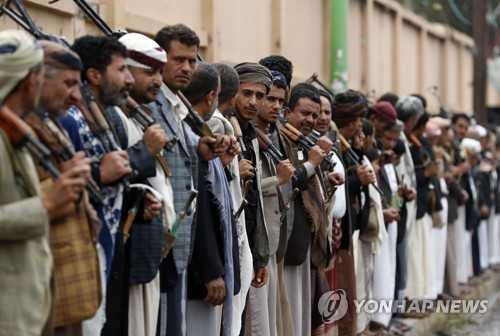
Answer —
486 324
479 324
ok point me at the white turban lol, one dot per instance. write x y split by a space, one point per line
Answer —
143 52
481 131
19 53
471 145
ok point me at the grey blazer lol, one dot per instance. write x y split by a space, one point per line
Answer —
183 163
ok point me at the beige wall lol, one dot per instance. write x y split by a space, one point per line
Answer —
390 48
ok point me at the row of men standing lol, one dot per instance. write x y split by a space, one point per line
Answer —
269 266
134 287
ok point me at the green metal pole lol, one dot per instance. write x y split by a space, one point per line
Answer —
339 13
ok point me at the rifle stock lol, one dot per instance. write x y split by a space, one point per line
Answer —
19 134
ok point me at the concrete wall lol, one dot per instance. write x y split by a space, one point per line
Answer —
390 48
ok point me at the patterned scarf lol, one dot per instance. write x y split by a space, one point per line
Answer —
109 213
316 208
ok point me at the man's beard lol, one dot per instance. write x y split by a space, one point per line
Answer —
111 94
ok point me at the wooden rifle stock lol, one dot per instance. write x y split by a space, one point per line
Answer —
296 136
144 119
132 213
61 148
347 147
414 141
267 146
238 134
19 134
97 122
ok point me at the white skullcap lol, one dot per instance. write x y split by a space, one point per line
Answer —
19 53
471 145
143 52
481 131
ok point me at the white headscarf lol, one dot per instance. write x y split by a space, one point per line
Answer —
18 54
143 52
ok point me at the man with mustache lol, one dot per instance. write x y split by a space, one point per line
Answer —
145 62
26 263
73 231
307 243
347 113
181 45
106 73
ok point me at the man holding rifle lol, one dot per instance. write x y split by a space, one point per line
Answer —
181 45
25 256
145 62
108 78
74 231
307 243
275 192
213 273
219 123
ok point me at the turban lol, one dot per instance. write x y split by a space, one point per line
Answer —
347 107
432 130
481 131
278 78
59 57
441 122
385 111
251 72
18 55
409 106
471 145
143 52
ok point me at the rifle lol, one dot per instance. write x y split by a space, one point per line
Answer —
132 213
351 154
145 121
20 134
239 135
296 136
267 147
194 120
244 202
314 78
61 148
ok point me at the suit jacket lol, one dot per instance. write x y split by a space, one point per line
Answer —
183 164
272 198
26 264
146 236
208 262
